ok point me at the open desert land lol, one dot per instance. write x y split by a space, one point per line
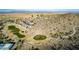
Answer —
40 31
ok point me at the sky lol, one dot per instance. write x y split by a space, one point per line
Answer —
39 10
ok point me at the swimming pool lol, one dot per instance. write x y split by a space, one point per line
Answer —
6 46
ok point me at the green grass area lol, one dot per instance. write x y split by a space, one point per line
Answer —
15 31
13 28
19 35
39 37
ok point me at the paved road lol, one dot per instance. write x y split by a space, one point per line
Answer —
74 31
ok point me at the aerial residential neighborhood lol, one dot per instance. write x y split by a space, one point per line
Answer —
39 31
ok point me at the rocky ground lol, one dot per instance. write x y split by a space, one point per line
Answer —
61 30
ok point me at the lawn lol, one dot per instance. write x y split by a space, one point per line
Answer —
39 37
15 31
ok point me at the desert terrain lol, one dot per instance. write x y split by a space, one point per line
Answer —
40 31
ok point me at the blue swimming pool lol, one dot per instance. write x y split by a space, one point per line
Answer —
6 46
